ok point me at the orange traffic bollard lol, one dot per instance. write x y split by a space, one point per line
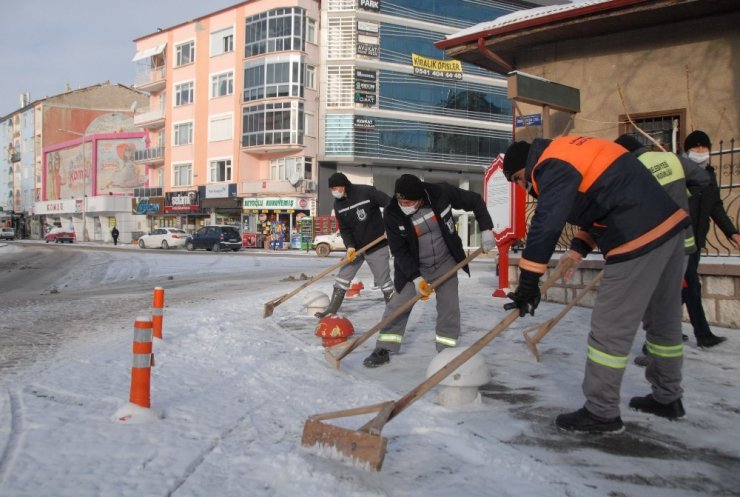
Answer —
142 364
158 311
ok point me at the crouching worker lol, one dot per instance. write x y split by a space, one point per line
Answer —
606 191
425 245
357 208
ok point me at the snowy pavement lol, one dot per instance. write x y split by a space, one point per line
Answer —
231 391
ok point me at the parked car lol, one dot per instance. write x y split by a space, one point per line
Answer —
164 238
60 235
215 238
325 244
7 233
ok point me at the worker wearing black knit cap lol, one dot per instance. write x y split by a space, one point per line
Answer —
425 245
357 208
606 191
705 204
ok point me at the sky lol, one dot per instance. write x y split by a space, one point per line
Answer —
230 393
49 44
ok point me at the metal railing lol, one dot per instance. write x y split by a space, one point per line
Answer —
726 162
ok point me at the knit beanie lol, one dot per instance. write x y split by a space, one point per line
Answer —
409 187
629 142
515 158
696 139
338 179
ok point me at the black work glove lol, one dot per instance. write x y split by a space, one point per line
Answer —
527 295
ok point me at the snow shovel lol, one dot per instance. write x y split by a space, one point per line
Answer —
544 328
334 359
270 306
366 445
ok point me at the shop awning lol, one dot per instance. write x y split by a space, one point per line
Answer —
149 52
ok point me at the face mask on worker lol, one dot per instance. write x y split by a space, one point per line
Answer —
699 157
410 209
337 194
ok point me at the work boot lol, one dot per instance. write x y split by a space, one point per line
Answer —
709 341
672 410
337 297
388 295
377 358
582 420
641 360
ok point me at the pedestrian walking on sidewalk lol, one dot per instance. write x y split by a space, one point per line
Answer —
610 195
114 233
705 205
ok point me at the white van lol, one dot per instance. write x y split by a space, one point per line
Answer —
7 233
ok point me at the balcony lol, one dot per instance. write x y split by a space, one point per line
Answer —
151 156
152 80
276 186
153 119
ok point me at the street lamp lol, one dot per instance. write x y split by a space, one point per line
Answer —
84 182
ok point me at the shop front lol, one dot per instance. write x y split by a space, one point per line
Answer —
273 222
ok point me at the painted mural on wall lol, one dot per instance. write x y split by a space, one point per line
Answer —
68 172
117 172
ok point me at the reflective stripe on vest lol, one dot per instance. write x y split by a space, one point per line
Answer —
664 166
390 338
689 242
430 217
665 351
446 341
610 361
591 157
354 206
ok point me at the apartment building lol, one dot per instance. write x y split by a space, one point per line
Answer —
57 149
253 106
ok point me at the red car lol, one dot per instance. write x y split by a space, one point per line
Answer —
60 235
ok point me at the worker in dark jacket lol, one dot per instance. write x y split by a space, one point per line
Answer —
425 245
705 205
357 208
620 208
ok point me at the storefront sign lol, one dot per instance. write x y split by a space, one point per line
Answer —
217 190
274 203
147 206
364 123
367 27
369 5
365 86
368 49
435 68
528 120
182 202
366 74
365 98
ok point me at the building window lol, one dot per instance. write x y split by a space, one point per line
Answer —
310 77
340 86
273 124
222 41
183 133
219 170
665 127
220 127
311 30
182 174
290 167
341 38
222 84
184 53
273 77
278 30
184 93
309 129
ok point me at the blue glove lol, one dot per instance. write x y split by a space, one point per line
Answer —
526 297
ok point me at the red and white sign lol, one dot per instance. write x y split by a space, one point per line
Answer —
506 204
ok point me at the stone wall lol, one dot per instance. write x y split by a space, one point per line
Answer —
720 288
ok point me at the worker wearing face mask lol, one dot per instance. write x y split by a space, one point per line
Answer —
357 208
425 245
705 204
